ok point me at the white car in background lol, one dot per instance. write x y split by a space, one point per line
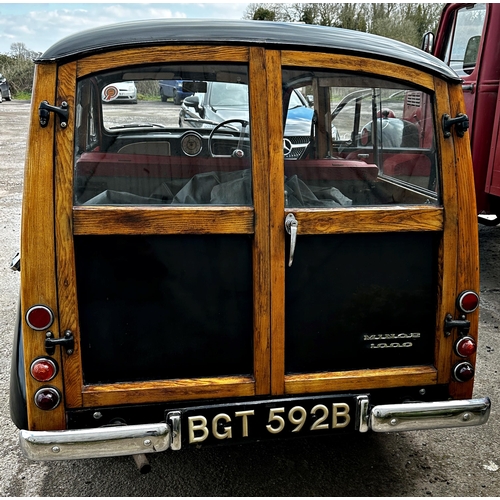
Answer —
120 92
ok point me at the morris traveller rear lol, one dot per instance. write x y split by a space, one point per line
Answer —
187 286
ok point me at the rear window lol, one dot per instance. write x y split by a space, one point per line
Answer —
134 146
371 141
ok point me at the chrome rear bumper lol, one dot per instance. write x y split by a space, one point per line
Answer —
154 438
435 415
95 443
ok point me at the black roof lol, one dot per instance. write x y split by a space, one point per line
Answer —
262 33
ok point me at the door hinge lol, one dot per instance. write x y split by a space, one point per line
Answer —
462 325
461 123
45 109
68 342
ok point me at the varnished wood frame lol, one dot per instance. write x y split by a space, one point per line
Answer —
166 220
38 270
456 169
458 251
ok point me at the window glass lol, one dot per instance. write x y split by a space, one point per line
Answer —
357 140
463 45
164 135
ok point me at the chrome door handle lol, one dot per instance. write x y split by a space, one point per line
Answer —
291 226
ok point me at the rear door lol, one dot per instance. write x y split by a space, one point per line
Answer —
163 245
358 234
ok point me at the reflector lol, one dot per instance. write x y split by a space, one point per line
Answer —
466 346
468 301
43 369
47 398
39 317
463 372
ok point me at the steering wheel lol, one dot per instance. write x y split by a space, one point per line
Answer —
238 152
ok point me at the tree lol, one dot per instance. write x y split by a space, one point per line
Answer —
18 67
263 14
406 22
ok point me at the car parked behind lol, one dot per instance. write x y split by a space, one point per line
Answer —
5 92
173 89
120 92
220 101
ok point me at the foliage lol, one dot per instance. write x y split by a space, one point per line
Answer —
147 88
23 96
406 22
263 14
18 68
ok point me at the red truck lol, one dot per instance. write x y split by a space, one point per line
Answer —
468 40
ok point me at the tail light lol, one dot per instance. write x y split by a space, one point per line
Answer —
43 369
466 346
463 372
39 317
468 301
47 398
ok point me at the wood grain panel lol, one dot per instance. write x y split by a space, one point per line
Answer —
368 219
38 273
261 248
66 275
360 380
161 55
358 64
166 220
467 237
176 390
448 247
277 221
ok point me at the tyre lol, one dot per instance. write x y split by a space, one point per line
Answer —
177 99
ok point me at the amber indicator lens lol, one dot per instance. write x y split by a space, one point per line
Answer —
39 317
47 398
463 372
465 347
468 301
43 369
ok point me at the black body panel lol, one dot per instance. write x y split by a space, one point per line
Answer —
348 293
17 392
164 307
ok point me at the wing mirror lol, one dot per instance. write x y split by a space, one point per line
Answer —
193 101
428 42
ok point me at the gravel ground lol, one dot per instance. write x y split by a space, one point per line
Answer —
433 463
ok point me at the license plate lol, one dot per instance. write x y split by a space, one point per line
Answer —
269 419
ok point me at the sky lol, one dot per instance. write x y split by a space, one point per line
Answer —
40 25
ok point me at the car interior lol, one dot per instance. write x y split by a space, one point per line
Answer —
369 142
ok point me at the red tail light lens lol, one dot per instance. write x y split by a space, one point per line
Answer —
47 398
43 369
466 346
463 372
39 317
468 301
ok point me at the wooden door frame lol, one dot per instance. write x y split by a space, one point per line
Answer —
366 220
81 220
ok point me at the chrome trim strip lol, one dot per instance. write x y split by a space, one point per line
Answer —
434 415
174 421
363 413
95 443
